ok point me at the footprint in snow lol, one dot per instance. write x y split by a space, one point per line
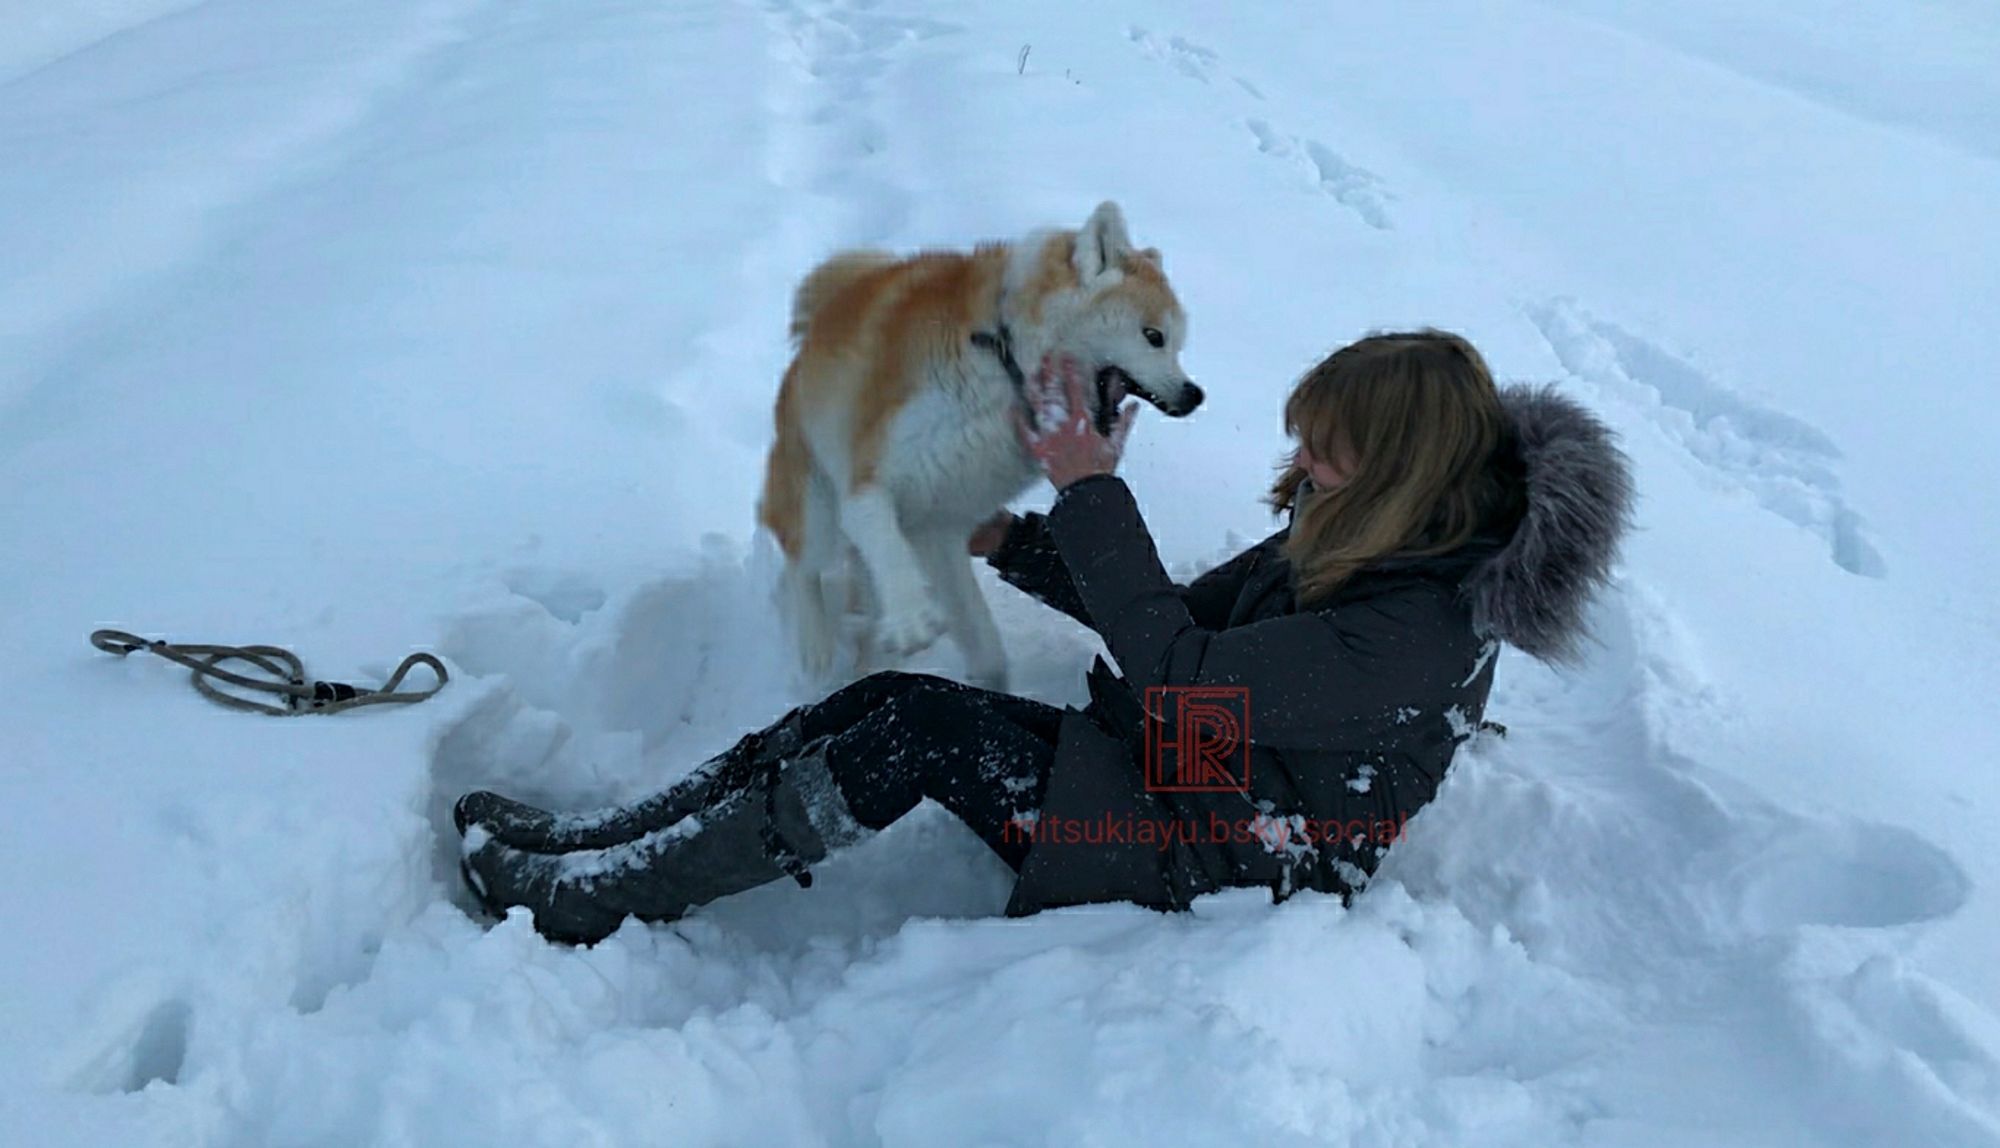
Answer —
1854 875
1786 464
1352 186
1186 57
1349 184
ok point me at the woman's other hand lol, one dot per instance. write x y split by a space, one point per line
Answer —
987 536
1064 440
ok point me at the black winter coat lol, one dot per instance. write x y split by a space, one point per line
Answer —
1354 707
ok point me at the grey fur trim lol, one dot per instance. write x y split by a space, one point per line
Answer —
1535 591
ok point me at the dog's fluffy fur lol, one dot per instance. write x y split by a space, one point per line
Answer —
894 425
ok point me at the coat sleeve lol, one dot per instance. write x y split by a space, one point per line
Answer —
1028 560
1315 680
1210 596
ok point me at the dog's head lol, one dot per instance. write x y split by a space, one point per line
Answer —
1127 325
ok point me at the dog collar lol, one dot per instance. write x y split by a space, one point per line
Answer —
1001 343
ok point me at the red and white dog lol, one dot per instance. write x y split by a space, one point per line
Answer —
895 432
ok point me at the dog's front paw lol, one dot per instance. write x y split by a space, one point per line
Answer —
904 632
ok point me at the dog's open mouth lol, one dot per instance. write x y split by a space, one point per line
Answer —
1114 383
1110 393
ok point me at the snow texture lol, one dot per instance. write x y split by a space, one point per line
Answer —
368 326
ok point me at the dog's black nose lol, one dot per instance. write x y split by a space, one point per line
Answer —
1191 397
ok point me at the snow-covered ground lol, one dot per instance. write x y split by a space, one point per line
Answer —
375 325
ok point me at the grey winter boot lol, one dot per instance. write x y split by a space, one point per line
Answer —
525 827
787 817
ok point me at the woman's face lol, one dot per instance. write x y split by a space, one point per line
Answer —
1326 474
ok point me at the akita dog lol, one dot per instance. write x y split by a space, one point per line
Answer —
895 432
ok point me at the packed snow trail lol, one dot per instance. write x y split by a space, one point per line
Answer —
364 327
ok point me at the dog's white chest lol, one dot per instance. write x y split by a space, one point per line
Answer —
952 452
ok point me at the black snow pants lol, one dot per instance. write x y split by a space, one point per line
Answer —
772 804
893 739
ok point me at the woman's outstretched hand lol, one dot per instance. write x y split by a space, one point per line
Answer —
1063 439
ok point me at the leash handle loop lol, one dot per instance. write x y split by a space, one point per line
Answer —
285 676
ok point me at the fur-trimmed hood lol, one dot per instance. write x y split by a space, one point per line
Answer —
1532 591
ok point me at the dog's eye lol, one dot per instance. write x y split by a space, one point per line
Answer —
1154 337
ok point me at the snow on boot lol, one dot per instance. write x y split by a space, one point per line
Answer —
526 827
788 817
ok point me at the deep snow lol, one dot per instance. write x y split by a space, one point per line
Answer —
453 324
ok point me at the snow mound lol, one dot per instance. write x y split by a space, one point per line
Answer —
455 324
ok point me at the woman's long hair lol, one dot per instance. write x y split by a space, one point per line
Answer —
1417 416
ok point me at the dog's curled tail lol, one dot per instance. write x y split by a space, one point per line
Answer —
829 279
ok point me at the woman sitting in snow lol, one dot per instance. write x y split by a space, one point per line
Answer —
1432 516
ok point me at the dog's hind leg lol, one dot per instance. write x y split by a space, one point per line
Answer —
909 620
968 618
812 608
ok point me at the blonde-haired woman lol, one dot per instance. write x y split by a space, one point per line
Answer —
1276 722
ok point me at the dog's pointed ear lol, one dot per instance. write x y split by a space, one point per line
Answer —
1103 243
1152 255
